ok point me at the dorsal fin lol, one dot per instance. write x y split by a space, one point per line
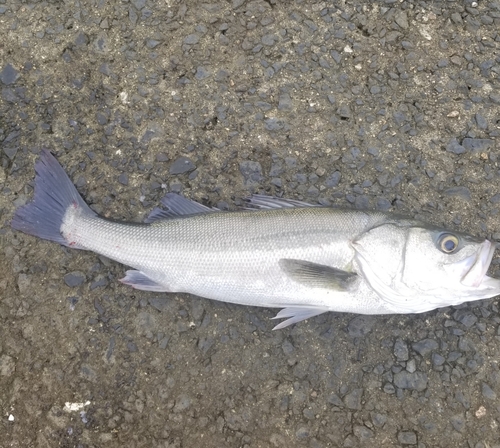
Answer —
261 201
177 206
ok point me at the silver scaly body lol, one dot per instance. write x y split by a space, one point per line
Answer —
284 254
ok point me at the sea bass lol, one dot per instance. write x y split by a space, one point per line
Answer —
283 254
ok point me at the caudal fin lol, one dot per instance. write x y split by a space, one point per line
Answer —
54 193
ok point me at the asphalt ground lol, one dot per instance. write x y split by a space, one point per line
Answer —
374 105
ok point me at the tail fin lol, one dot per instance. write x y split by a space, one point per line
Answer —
54 193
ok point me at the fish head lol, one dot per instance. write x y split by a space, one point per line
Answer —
416 268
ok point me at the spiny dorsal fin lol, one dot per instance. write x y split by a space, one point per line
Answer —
177 206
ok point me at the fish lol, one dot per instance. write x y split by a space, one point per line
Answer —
276 253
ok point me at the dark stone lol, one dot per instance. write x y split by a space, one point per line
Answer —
263 105
152 43
495 98
287 347
412 381
360 326
273 124
205 344
425 346
389 388
461 192
465 317
407 438
312 192
9 75
362 202
460 397
159 303
344 111
201 73
276 169
182 165
456 18
123 178
102 119
139 4
458 422
383 204
75 278
488 392
353 399
73 300
285 102
132 347
379 420
495 199
401 19
251 171
455 147
269 39
99 283
401 351
481 122
466 344
437 359
9 95
362 432
336 56
12 136
333 179
191 39
302 433
81 39
478 144
162 157
335 400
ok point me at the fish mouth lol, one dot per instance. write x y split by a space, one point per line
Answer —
476 266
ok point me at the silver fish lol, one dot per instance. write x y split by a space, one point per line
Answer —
285 254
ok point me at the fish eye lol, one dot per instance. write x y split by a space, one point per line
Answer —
448 243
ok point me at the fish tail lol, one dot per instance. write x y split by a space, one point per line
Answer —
54 196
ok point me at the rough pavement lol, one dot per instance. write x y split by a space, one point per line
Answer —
383 105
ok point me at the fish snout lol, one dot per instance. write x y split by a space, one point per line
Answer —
480 262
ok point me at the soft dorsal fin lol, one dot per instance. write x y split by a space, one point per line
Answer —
177 206
261 201
318 275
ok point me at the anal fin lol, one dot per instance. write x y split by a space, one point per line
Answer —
139 280
296 314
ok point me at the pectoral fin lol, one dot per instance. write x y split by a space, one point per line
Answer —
296 315
318 275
